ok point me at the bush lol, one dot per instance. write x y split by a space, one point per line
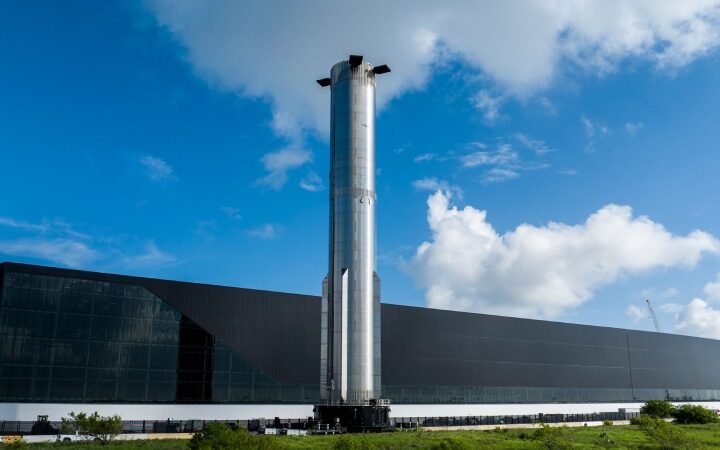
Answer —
607 423
666 435
93 426
552 437
657 408
219 436
687 414
642 420
19 444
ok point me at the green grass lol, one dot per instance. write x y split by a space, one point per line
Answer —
628 437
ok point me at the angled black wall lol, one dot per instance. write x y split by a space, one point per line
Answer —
434 356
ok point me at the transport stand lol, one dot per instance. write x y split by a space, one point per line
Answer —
369 417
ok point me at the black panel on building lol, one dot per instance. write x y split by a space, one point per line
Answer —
75 336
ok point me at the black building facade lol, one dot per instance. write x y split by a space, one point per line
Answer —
70 336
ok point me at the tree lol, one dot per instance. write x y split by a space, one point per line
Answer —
686 414
657 408
93 426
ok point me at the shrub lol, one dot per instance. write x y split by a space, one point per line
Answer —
19 444
552 437
93 426
666 435
657 408
219 436
642 420
686 414
607 423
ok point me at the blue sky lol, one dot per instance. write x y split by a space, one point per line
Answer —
189 141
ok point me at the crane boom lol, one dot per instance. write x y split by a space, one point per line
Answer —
653 316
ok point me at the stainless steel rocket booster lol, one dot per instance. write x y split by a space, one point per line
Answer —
350 335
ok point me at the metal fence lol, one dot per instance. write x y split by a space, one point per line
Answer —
191 426
411 422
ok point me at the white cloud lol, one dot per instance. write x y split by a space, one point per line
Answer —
231 212
433 184
635 313
548 106
488 104
58 242
700 317
633 128
157 168
12 223
537 146
499 175
540 271
594 131
267 231
425 157
66 252
502 163
312 182
280 162
712 289
520 46
569 172
673 309
658 295
149 257
504 155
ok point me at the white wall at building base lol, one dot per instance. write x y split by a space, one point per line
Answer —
30 411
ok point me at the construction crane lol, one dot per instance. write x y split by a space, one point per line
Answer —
653 316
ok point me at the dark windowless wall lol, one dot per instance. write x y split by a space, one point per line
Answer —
67 339
71 336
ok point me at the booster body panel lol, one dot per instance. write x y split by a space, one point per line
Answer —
350 365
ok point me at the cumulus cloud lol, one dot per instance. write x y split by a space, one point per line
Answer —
157 169
540 271
701 317
712 289
239 47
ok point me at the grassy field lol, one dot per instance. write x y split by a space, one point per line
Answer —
617 437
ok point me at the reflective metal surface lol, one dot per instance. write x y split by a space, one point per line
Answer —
351 293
